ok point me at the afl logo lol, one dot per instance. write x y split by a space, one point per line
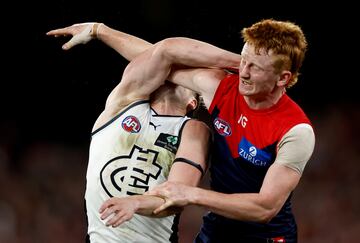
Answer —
131 124
222 127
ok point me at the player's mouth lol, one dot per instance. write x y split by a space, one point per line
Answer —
245 82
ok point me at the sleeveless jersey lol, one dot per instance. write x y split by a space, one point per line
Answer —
245 147
129 155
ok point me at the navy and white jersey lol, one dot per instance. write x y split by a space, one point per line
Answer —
246 144
129 155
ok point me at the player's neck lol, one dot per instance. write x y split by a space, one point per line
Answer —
167 108
265 102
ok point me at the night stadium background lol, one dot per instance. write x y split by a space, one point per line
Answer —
50 99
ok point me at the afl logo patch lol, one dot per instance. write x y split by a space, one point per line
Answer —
131 124
222 127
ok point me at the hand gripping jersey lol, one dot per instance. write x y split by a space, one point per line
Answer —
129 155
245 146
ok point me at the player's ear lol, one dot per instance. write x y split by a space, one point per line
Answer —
284 78
192 105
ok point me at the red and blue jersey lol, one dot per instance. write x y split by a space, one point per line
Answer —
245 147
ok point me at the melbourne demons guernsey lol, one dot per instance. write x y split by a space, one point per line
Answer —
245 146
129 155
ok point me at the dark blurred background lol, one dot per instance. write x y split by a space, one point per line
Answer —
50 99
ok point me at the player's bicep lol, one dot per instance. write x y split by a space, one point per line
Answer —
191 159
202 80
294 150
141 77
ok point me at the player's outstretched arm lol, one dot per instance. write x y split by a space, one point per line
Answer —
127 45
81 34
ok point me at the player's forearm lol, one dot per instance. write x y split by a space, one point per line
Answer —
239 206
128 46
147 205
196 53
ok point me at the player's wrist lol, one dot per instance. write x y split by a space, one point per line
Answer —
95 30
193 196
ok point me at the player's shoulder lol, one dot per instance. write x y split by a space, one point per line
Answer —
196 126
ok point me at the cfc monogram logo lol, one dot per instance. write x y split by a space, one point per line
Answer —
130 174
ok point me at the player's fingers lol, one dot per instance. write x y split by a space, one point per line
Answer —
72 42
122 220
106 205
116 216
167 204
156 193
58 32
81 38
69 44
107 212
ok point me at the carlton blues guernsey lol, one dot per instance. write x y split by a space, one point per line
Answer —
129 155
245 147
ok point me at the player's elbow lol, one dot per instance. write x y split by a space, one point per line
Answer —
266 215
268 209
168 47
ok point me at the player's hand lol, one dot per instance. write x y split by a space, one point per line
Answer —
174 194
81 33
118 210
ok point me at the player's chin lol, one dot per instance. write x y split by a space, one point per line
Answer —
246 90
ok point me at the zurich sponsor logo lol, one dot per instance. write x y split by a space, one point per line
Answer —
222 127
254 155
252 151
131 124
